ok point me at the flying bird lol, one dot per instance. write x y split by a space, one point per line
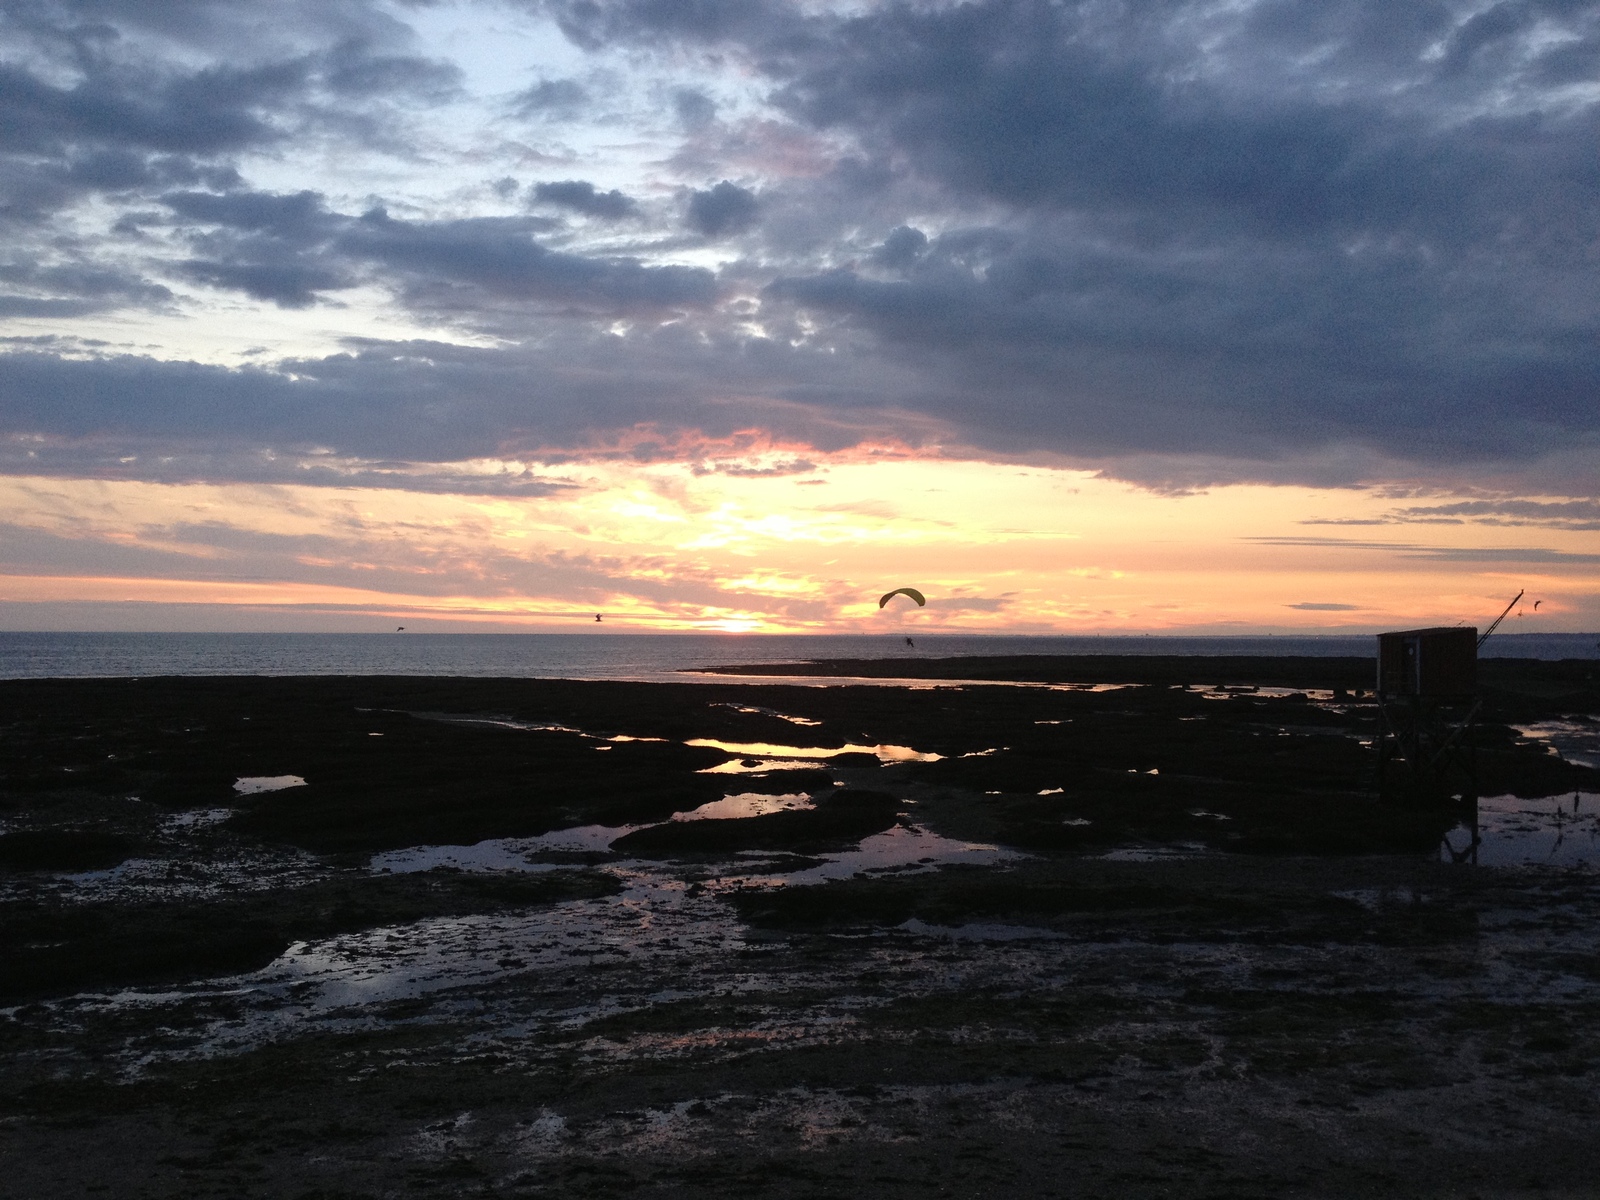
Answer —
597 616
910 643
1536 604
911 592
400 629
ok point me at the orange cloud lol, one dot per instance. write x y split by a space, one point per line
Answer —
669 545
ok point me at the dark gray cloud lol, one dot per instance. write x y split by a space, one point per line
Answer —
298 218
73 289
901 248
726 208
270 247
592 24
551 98
1010 101
1568 514
202 112
89 111
1288 234
116 170
286 284
694 108
288 248
1118 350
1562 514
228 25
1186 228
45 306
581 196
353 69
497 257
433 402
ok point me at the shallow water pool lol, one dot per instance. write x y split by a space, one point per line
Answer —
888 754
1559 831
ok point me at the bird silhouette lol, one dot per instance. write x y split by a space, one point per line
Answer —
1536 604
597 616
909 642
400 629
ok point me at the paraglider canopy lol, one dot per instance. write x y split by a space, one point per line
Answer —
912 592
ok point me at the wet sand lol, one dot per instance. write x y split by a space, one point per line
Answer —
403 936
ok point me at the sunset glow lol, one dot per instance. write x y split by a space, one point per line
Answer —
995 547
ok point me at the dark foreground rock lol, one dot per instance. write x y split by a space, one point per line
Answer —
1196 956
1577 680
1158 669
62 849
1324 1028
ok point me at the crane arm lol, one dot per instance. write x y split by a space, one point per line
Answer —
1484 636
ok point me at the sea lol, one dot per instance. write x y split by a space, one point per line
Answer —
648 656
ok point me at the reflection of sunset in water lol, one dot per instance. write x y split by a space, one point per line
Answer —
772 750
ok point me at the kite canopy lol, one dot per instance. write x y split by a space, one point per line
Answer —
912 592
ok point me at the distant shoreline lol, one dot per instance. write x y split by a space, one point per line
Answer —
1170 670
690 657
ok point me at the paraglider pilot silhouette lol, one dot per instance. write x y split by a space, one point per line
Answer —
911 593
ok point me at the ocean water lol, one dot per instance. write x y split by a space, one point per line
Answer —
611 655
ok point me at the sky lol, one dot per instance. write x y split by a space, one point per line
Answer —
1232 316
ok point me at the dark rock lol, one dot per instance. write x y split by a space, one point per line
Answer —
855 758
62 850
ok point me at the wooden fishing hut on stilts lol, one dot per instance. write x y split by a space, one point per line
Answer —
1427 700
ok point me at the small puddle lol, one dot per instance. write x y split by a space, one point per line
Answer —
1576 741
250 785
903 850
501 854
202 818
782 755
1562 831
496 854
498 723
768 712
760 766
746 804
1156 853
765 750
888 754
521 854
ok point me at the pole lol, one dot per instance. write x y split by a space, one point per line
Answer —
1484 636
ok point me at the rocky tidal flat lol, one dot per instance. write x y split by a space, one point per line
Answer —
1034 927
